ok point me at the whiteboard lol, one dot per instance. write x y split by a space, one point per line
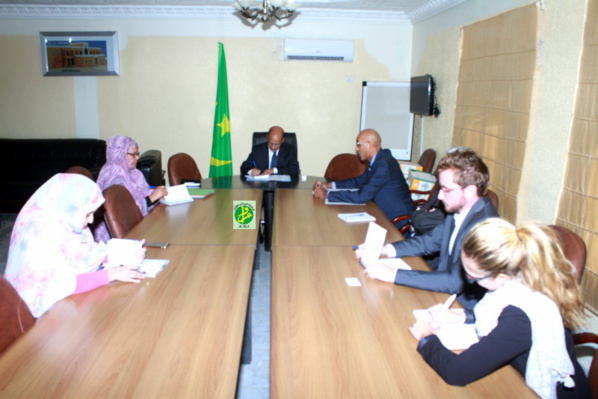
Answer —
385 108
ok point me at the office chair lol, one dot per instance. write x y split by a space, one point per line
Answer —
573 248
81 171
120 211
181 167
427 159
493 197
15 316
344 166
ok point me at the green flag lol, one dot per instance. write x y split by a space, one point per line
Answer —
221 163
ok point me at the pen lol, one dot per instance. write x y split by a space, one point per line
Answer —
152 187
355 247
254 164
449 301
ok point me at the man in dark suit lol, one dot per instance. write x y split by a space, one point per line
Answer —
382 182
463 179
273 157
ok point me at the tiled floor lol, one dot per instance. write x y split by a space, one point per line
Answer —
254 378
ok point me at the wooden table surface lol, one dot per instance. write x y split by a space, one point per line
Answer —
207 221
330 340
301 219
176 336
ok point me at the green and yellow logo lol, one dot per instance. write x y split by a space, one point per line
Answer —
243 214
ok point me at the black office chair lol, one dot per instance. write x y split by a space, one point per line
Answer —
262 137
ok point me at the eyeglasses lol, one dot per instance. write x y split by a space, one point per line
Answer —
448 190
473 280
359 143
133 154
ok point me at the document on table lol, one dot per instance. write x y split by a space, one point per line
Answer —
199 193
372 247
177 195
454 336
281 178
362 217
152 267
122 252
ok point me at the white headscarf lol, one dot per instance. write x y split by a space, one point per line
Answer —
51 242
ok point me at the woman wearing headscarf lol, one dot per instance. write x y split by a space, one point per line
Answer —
52 253
122 153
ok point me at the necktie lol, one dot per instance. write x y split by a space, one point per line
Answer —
274 161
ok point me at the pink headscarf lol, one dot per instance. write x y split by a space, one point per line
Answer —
118 170
51 243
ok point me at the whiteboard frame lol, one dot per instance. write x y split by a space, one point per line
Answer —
403 154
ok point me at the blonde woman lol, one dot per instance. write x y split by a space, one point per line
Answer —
523 320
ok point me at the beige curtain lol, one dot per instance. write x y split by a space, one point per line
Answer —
578 206
494 95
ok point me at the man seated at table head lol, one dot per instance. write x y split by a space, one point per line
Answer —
273 157
383 182
463 179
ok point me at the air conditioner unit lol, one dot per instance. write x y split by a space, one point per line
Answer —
318 50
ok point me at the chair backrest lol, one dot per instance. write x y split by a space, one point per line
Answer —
262 137
80 170
493 197
15 316
584 338
573 247
120 211
427 160
182 166
344 166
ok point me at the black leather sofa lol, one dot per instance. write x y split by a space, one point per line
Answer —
28 163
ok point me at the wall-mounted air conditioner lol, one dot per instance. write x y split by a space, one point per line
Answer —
318 50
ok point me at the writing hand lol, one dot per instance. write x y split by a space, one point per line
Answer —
422 329
255 172
127 274
381 272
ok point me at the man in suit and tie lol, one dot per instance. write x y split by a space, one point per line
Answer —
273 157
383 182
463 179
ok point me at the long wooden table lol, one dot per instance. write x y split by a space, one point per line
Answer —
207 221
331 340
176 336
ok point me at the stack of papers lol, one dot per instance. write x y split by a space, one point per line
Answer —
177 195
198 193
361 217
282 178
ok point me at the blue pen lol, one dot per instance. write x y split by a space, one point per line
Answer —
355 247
152 187
254 164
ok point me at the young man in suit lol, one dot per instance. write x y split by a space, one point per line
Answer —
382 182
463 179
273 157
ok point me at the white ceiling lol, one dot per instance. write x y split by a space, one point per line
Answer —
410 11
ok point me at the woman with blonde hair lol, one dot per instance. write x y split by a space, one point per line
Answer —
533 299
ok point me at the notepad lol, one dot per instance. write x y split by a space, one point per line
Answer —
362 217
454 336
372 247
152 267
177 195
122 252
281 178
199 193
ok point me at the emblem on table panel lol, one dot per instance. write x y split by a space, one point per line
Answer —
244 215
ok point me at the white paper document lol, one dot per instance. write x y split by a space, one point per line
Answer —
362 217
122 252
151 267
372 247
454 336
282 178
177 195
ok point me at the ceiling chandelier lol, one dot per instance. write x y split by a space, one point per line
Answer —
266 10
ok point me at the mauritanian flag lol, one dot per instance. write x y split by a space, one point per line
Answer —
221 163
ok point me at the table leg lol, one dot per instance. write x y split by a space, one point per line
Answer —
268 217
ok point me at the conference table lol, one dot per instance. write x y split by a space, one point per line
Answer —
180 334
330 339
